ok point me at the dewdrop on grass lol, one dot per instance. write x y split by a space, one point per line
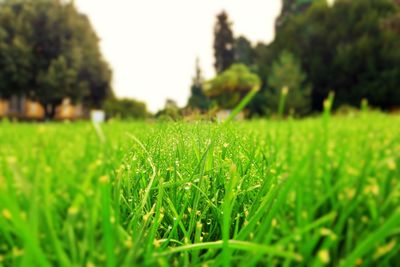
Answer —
22 214
128 243
325 232
327 104
364 219
372 189
323 256
156 243
391 164
285 90
304 214
104 179
146 217
297 237
246 213
17 252
6 214
382 250
73 211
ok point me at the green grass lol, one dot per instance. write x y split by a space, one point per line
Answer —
315 192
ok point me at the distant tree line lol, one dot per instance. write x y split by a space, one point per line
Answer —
350 47
125 109
49 51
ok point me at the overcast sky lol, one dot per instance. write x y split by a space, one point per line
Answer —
152 45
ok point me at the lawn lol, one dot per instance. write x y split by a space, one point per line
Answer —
315 192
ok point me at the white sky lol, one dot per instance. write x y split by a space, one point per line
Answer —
152 45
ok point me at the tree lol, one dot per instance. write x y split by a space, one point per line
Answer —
171 111
243 51
229 88
291 8
126 108
263 59
287 78
345 48
50 51
223 43
16 56
393 22
198 100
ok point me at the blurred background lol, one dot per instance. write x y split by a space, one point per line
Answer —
177 59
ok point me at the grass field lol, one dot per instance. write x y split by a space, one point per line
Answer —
315 192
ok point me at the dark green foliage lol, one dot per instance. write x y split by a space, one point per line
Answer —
345 48
223 43
287 79
291 8
125 109
49 51
198 100
244 53
15 51
171 112
263 59
229 88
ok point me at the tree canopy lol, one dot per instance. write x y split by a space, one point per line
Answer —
228 88
243 51
126 109
223 43
198 100
346 47
48 50
286 77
